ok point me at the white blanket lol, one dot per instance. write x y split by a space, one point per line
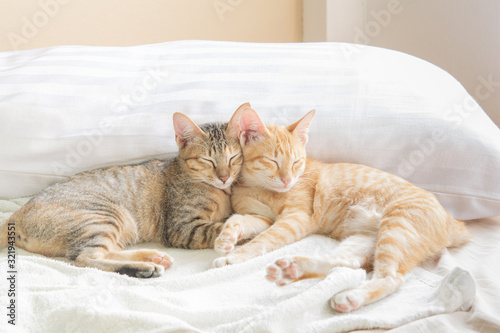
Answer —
54 296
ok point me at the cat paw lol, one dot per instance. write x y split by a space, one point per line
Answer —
347 301
141 270
159 258
229 236
283 271
155 271
224 261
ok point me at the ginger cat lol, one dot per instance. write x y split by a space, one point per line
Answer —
91 217
383 222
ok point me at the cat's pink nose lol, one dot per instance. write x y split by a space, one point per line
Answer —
286 181
224 178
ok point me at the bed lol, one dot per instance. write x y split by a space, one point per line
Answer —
72 108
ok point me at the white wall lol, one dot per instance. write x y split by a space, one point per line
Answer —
460 36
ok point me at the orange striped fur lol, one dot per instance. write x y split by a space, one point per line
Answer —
384 223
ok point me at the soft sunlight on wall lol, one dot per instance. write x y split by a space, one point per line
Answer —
39 23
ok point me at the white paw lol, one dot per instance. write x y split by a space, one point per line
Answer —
224 261
219 262
229 236
348 301
283 271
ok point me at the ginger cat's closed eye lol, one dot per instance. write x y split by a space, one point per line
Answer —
384 223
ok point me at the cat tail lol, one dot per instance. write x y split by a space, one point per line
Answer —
459 234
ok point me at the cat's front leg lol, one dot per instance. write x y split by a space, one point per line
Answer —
285 231
239 227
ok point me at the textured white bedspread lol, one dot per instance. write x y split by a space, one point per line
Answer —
53 296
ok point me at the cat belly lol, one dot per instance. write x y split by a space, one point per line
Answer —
348 199
53 230
347 221
51 248
38 236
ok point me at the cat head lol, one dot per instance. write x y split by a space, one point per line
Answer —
275 156
211 152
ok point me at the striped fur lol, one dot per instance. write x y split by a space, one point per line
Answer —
91 217
384 223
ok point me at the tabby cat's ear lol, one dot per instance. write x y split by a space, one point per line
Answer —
185 129
252 128
301 127
233 126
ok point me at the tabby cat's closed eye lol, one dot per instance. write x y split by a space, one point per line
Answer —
208 161
235 159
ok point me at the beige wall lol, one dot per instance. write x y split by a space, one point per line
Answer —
460 36
27 24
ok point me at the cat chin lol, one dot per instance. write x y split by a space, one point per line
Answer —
221 186
280 189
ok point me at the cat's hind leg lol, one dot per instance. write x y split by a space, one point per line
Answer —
354 252
143 255
379 286
116 262
102 250
399 248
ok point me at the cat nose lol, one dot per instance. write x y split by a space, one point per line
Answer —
224 178
286 180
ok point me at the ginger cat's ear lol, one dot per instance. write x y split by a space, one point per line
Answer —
185 129
233 126
301 127
252 128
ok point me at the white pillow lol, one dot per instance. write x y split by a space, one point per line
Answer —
68 109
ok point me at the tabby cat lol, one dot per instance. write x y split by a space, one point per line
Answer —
92 216
383 222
